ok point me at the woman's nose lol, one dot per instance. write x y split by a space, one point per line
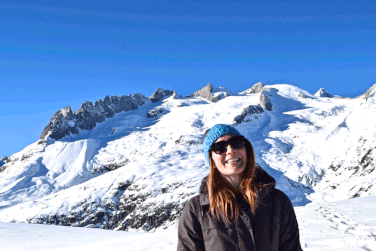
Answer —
229 149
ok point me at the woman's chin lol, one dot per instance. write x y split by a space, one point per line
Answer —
235 168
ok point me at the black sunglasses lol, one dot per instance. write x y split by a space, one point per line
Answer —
236 142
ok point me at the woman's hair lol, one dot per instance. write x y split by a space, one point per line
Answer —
222 195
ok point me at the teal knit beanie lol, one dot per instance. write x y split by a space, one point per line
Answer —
214 133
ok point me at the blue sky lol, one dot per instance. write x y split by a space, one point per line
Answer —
53 55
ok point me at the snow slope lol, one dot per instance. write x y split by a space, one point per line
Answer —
132 172
343 225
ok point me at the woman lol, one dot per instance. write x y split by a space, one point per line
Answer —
238 207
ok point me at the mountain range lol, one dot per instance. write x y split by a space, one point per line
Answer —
132 162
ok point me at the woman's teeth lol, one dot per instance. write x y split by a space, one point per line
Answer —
233 160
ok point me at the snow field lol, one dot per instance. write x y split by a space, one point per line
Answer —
343 225
340 225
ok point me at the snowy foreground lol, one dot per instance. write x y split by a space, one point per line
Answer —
341 225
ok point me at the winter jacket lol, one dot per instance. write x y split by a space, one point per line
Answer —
274 226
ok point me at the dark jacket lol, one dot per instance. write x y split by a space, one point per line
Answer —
273 228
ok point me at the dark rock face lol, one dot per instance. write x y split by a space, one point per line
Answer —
255 109
300 95
205 93
256 88
153 113
159 94
366 150
113 166
66 122
3 160
364 164
252 109
127 208
61 124
265 102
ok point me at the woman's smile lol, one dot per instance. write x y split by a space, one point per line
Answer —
234 160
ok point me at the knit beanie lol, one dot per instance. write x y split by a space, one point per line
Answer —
214 133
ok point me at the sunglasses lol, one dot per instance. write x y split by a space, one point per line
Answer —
237 142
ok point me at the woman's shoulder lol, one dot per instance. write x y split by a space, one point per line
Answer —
278 194
281 199
191 210
193 203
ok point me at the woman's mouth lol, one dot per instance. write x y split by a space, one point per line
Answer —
234 160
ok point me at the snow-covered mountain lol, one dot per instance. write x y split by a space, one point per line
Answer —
132 162
66 122
323 93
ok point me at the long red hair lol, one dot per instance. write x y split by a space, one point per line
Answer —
222 195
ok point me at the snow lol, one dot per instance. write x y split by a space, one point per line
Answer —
20 236
222 92
323 93
315 147
342 225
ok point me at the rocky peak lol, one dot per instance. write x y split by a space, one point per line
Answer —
205 92
175 95
370 92
253 110
323 93
265 102
256 88
61 124
107 100
67 112
65 122
160 94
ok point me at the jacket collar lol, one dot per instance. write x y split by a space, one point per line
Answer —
261 177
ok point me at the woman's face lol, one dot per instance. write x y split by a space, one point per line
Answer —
232 161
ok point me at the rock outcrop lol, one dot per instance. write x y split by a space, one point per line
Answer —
250 110
206 92
153 113
62 124
160 94
369 92
212 94
129 208
65 122
3 160
323 93
256 88
265 102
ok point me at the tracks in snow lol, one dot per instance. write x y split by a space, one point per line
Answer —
323 227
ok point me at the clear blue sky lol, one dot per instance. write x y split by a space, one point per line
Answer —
53 55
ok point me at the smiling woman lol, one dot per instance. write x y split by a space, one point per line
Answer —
238 207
